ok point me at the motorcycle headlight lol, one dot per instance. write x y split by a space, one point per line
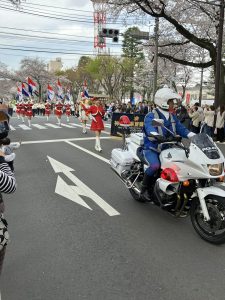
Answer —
215 170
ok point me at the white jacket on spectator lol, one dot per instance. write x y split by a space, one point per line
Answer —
209 117
195 117
220 120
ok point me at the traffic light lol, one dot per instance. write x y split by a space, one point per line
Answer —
110 33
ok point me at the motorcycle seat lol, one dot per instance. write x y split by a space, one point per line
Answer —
140 155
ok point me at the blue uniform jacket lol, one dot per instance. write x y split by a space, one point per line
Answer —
180 129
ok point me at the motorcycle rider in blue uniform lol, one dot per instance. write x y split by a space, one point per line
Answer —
153 136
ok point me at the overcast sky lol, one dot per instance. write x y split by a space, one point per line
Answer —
26 26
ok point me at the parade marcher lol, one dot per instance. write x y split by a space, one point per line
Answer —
153 136
34 109
23 110
83 107
96 113
47 109
68 110
18 110
29 112
58 111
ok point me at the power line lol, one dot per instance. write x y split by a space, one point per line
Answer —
46 50
44 5
25 36
56 16
38 31
53 16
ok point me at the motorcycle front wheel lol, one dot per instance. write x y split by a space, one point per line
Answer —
212 231
136 196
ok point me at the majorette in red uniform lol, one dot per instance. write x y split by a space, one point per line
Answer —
23 110
29 112
68 110
47 109
58 111
96 113
18 110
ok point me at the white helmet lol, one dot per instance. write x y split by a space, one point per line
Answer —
163 95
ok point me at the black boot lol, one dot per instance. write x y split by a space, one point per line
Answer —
145 187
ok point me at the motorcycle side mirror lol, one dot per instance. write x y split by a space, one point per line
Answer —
157 122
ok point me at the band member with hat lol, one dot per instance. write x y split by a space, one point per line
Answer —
83 108
29 112
47 109
58 111
68 110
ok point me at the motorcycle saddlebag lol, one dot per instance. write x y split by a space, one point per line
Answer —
121 160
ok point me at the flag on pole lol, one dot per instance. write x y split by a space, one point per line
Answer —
85 89
59 90
50 93
19 95
68 95
31 86
24 91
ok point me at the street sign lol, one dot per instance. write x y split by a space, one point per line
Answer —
75 192
140 35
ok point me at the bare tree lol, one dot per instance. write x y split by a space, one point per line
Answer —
188 26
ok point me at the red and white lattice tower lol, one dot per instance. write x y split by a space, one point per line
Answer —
99 23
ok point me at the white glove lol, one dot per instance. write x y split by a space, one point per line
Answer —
93 118
10 157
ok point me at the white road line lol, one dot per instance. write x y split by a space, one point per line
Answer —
52 125
66 125
39 126
63 140
89 152
11 128
88 126
24 127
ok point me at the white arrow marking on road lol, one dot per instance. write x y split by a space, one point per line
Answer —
80 187
69 191
11 128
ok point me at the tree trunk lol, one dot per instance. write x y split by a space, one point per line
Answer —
39 91
222 86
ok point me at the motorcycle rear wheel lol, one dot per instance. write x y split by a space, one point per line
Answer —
214 230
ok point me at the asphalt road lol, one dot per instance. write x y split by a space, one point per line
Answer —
60 249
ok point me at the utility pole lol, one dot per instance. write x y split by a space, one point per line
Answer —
219 55
201 86
155 69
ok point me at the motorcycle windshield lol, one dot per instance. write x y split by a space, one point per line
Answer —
207 146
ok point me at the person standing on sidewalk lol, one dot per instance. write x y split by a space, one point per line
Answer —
220 119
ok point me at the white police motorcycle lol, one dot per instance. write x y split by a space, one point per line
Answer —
190 182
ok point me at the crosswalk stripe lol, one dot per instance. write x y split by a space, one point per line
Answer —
11 127
75 125
52 125
67 125
24 127
39 126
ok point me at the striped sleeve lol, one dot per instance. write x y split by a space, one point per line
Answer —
7 178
